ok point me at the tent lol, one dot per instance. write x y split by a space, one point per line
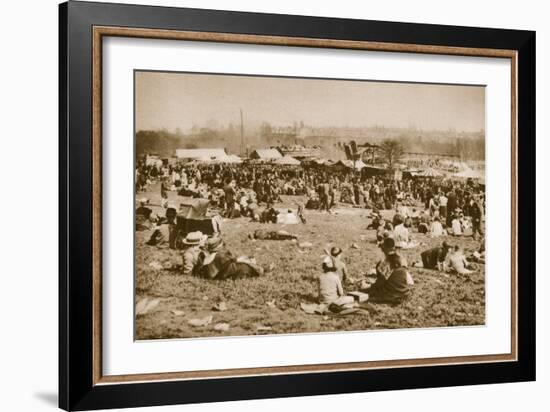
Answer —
232 159
287 160
201 154
265 154
350 164
429 172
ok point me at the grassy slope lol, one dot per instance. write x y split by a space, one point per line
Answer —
438 299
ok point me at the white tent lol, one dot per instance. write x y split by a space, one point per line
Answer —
265 154
201 154
287 160
357 165
430 172
232 159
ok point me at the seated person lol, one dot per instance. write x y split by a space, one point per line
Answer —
456 262
313 203
190 255
401 235
235 211
330 286
456 226
341 268
165 233
269 215
252 209
434 258
143 215
375 219
424 222
479 255
393 281
436 229
219 263
381 230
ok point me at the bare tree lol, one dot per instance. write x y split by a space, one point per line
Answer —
393 152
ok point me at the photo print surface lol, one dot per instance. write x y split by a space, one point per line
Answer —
283 205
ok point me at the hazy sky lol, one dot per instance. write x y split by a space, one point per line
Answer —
180 100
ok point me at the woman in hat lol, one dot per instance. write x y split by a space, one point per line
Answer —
330 285
341 268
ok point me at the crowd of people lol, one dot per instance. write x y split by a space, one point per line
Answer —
430 207
238 189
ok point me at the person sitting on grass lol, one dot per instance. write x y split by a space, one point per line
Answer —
424 222
434 258
381 230
341 268
143 215
479 255
269 215
219 263
392 281
436 229
190 255
456 262
456 226
165 233
330 286
401 234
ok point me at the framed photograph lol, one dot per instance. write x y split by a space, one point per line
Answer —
256 206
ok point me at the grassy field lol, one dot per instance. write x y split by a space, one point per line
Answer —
271 304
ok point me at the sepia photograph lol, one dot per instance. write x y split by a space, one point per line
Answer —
285 205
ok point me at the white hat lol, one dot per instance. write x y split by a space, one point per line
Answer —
194 238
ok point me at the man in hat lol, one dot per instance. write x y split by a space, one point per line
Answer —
217 262
190 255
165 233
